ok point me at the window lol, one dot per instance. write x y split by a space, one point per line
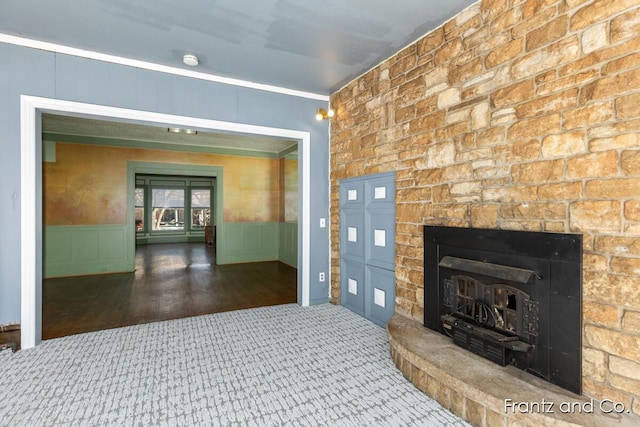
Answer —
168 209
139 209
200 208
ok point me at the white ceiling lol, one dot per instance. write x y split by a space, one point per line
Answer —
315 47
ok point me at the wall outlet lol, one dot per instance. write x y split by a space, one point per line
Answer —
323 223
321 276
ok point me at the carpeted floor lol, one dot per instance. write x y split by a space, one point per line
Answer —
271 366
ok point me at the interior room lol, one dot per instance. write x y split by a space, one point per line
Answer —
85 201
464 230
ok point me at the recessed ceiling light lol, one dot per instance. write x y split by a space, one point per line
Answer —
181 130
190 60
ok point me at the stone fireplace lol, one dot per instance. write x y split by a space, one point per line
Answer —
513 297
512 115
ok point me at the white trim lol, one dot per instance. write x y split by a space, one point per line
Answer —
31 224
57 48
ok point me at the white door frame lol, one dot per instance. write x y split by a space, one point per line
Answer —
31 109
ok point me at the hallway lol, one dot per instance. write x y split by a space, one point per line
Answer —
171 281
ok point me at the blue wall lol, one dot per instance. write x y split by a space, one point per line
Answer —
25 71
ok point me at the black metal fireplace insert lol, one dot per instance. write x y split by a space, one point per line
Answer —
513 297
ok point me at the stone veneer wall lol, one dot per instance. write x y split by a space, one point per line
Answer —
517 115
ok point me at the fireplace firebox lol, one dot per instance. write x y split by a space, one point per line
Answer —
513 297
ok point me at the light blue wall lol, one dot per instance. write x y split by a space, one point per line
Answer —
45 74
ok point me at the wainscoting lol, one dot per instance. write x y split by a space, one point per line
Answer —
289 243
86 249
98 249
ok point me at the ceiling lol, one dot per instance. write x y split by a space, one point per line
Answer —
313 47
79 129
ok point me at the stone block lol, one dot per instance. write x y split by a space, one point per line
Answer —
601 314
440 155
447 51
458 129
613 342
624 383
605 391
613 188
602 164
595 37
630 163
548 104
430 42
534 127
506 20
460 74
594 364
489 9
625 368
513 94
594 262
573 80
533 21
448 97
509 194
597 216
617 245
484 216
589 115
631 321
474 412
533 210
632 210
547 33
492 136
563 144
538 172
504 53
543 59
625 25
609 86
629 140
599 11
480 116
456 172
401 66
625 265
621 64
628 106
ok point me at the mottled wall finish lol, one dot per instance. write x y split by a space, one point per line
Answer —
519 115
87 184
290 189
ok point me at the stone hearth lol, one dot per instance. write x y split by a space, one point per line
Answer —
479 390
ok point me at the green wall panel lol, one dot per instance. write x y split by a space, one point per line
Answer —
289 243
248 242
79 250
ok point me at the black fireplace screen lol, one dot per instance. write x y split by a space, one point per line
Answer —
513 297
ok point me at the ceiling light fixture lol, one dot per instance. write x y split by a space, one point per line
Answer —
185 131
190 60
322 114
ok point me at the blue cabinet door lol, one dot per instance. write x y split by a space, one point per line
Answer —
367 246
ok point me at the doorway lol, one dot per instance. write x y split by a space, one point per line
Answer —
31 204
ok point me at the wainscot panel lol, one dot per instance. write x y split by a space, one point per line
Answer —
248 242
73 250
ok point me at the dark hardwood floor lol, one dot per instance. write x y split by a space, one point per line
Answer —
171 281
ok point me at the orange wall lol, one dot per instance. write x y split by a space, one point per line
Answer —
87 184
